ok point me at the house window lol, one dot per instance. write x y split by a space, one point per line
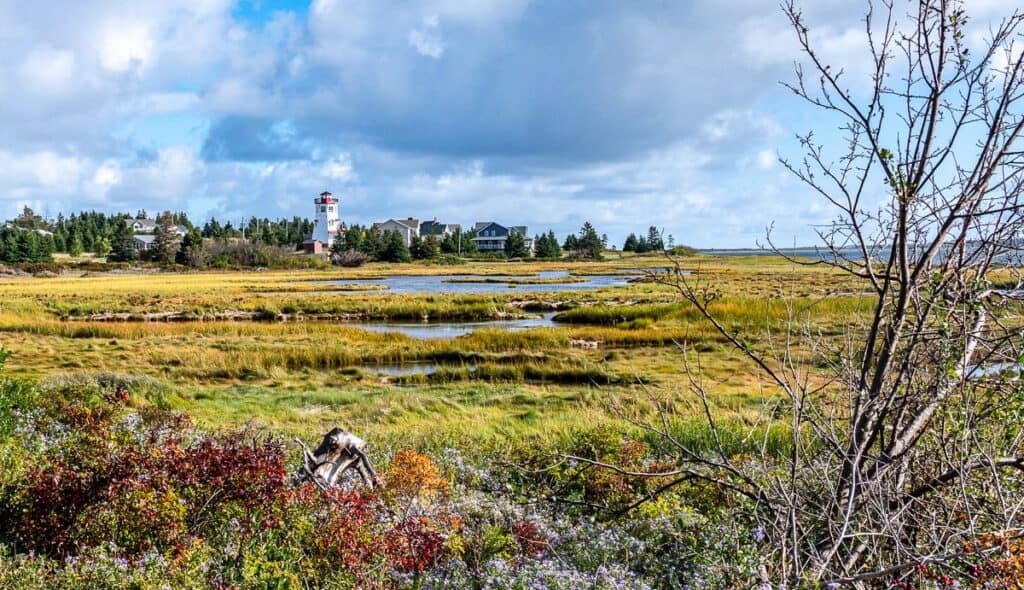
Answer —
323 209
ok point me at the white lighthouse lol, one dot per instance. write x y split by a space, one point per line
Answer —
328 219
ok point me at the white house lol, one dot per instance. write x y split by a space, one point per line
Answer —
144 242
408 228
149 226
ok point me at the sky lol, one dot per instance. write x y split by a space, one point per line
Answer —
545 113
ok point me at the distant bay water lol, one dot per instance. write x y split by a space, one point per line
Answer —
803 252
1012 255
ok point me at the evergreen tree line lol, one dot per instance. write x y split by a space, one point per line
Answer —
111 235
382 246
282 232
388 246
652 242
587 244
19 244
93 231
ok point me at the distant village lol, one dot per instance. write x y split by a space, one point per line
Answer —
171 238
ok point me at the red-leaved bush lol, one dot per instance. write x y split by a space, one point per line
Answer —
137 484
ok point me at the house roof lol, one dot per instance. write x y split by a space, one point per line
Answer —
519 229
145 238
410 223
436 228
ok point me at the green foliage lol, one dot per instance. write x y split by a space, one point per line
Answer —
236 254
515 245
284 233
123 243
655 242
589 244
192 250
393 248
547 246
652 242
424 248
459 243
102 246
25 245
165 243
75 247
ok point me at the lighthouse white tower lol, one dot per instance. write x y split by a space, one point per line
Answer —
328 219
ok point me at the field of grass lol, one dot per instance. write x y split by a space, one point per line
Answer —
273 347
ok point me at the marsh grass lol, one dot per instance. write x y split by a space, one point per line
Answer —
297 375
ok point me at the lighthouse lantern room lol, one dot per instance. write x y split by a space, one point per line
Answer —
327 219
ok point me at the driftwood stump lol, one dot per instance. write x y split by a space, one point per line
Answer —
338 452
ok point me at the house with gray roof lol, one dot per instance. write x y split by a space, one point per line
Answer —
408 228
439 230
491 236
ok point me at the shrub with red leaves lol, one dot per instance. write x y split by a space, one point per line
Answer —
530 540
217 471
414 546
137 484
345 522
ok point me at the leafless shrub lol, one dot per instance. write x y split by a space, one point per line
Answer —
350 258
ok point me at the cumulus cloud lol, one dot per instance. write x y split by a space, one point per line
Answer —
427 38
125 45
48 72
339 169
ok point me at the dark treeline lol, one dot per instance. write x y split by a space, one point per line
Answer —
19 244
652 242
386 246
93 231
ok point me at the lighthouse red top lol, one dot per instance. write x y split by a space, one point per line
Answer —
326 197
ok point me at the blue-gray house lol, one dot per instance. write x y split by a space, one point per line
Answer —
491 236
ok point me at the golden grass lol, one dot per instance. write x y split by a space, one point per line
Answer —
303 375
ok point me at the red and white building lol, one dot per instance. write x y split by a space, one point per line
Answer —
326 225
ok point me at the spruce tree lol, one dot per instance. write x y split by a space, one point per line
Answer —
353 238
394 248
589 242
555 248
429 248
191 251
165 243
123 244
515 246
75 247
654 241
466 244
